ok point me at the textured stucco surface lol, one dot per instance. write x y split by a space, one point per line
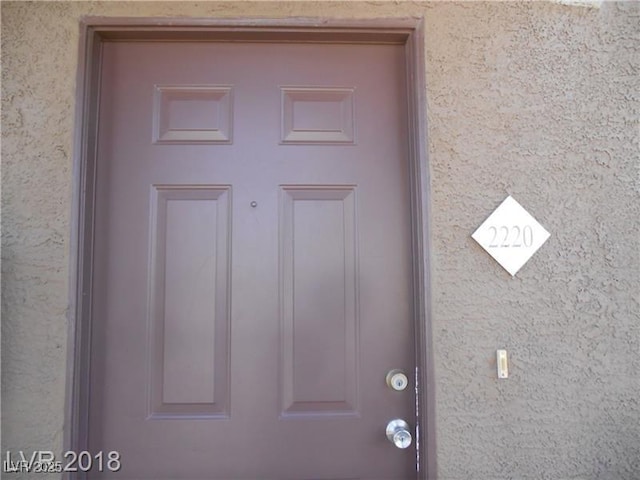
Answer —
540 101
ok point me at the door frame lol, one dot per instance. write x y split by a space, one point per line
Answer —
94 31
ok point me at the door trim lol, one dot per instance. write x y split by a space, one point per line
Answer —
94 31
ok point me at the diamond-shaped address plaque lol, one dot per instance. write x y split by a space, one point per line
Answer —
511 235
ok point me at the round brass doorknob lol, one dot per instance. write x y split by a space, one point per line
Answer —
398 433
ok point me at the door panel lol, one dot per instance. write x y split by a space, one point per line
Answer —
252 261
189 307
319 311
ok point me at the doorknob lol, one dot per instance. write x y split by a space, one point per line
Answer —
398 433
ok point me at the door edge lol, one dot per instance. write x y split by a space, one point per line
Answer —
96 30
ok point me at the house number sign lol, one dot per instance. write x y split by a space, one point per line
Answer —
511 235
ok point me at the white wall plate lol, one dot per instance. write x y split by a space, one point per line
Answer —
511 235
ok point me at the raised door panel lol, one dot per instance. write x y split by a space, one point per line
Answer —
319 300
188 301
184 114
317 115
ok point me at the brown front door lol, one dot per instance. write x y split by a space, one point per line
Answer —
252 270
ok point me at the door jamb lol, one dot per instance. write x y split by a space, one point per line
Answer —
96 30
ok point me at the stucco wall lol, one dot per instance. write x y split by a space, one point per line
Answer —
540 101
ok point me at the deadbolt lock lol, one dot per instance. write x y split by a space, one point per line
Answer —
397 380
